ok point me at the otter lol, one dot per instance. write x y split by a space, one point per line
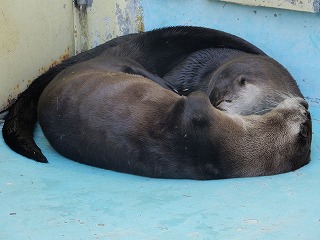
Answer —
128 123
247 84
235 81
157 51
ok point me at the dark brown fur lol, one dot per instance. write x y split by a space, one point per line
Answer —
127 123
250 84
158 51
235 81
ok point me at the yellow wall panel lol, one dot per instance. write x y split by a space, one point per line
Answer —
38 34
34 35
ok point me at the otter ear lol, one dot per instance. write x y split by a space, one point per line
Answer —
241 80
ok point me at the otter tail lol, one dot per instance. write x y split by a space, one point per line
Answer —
19 123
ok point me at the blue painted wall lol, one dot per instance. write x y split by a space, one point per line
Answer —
292 38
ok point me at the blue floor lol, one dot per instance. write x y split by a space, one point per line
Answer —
67 200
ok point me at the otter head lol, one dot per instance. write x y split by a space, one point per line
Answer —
249 84
241 95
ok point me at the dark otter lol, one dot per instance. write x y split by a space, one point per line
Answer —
128 123
158 51
20 121
235 81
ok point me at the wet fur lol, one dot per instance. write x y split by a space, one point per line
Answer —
250 84
127 123
157 51
20 121
235 81
194 72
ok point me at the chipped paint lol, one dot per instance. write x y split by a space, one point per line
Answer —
297 5
122 17
54 62
81 30
316 5
128 13
19 87
106 20
139 19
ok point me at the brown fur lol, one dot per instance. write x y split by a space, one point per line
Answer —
128 123
251 84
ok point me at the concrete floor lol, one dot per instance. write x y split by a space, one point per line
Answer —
67 200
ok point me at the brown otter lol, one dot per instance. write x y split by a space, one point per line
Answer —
249 84
130 124
158 51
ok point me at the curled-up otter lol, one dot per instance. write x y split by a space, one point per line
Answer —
130 124
117 107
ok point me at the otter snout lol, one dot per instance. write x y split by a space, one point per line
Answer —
294 103
305 129
295 111
305 125
302 102
305 104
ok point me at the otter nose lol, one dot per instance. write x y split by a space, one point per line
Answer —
304 130
305 104
307 114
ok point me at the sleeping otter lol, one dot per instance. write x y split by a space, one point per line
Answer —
128 123
157 51
235 81
190 129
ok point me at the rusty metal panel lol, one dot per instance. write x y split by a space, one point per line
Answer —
38 34
34 35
